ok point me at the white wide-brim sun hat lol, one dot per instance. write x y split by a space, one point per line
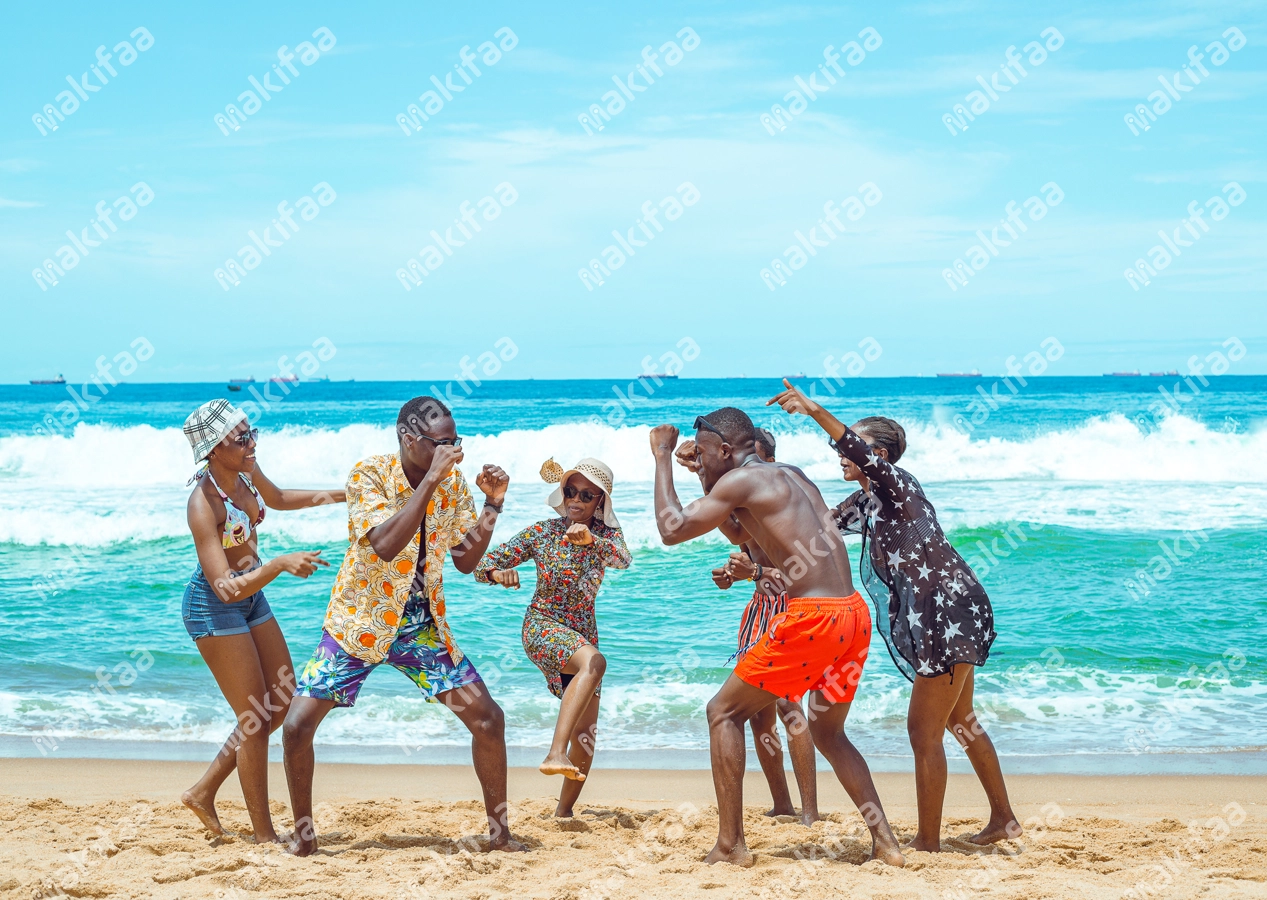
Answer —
208 424
596 471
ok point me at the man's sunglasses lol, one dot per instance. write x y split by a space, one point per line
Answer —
585 496
246 438
701 422
443 442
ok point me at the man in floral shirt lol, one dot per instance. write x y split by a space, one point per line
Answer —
405 511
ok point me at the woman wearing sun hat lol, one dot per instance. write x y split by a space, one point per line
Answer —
224 608
560 632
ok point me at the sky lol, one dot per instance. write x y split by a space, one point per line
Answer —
695 131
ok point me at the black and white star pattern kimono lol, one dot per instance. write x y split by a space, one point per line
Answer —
930 608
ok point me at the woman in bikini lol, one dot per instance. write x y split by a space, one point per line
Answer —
933 613
560 632
224 608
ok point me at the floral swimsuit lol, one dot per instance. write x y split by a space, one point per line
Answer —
560 618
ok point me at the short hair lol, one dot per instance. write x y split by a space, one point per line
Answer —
419 415
735 426
885 433
765 440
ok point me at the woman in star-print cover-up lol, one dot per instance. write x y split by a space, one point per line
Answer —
933 613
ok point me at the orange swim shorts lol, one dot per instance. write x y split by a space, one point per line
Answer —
819 644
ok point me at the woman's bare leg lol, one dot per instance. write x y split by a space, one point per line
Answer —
932 699
582 756
238 669
963 724
586 666
275 662
801 748
765 737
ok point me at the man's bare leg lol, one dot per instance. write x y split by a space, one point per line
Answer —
302 720
476 709
582 756
765 737
827 725
274 658
977 745
733 705
801 749
586 666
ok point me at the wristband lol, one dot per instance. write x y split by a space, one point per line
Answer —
495 507
756 576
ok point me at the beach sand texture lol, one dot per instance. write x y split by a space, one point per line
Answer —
115 828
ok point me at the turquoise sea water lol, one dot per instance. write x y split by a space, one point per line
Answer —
1093 670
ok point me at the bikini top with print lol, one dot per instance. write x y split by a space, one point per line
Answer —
237 523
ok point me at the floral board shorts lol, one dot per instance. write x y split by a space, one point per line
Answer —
418 651
550 644
818 644
206 615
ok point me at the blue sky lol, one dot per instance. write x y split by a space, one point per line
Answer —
699 122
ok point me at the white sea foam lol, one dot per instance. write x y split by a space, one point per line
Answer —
106 484
1058 711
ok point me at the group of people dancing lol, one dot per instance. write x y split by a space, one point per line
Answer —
804 636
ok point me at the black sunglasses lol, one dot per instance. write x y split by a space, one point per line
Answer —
246 438
585 496
442 442
701 422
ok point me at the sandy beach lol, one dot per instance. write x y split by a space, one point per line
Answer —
115 828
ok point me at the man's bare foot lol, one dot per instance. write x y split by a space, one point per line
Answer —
561 813
300 846
507 845
559 764
888 852
809 817
780 811
204 808
998 831
737 856
918 843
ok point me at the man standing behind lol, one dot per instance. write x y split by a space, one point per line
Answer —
818 646
387 605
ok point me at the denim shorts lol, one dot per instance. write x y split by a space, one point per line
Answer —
206 615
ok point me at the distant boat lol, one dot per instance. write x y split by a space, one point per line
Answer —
235 387
241 381
1163 374
973 374
60 379
799 376
1121 374
284 379
647 376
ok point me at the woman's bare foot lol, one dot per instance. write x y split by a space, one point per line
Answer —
507 845
998 831
736 856
204 808
559 764
888 852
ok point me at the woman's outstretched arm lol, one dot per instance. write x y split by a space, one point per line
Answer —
277 498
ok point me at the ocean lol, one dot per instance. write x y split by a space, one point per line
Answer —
1064 494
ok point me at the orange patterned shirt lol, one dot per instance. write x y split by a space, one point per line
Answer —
370 593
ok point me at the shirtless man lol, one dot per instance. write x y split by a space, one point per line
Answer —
768 599
817 647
